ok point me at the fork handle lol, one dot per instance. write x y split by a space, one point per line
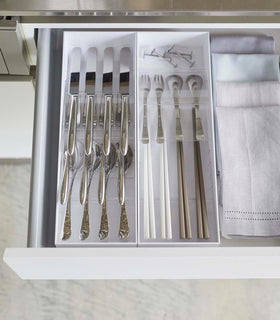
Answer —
160 137
145 134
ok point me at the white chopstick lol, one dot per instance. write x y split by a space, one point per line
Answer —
162 193
168 225
146 195
149 209
151 195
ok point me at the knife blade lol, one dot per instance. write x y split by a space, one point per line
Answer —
107 80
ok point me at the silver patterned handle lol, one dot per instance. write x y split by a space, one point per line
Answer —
104 225
84 232
124 227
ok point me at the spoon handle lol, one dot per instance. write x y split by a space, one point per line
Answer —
124 228
67 220
102 183
121 180
84 233
84 183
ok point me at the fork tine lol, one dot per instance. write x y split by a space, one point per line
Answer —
162 82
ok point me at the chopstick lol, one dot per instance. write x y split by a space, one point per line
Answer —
168 226
165 209
183 194
202 195
149 211
201 208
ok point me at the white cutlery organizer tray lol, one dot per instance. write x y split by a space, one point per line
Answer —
76 50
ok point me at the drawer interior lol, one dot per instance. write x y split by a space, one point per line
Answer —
46 136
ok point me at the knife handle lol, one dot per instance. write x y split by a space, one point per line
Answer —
107 125
124 125
72 125
89 124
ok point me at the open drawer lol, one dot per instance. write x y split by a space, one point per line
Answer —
42 260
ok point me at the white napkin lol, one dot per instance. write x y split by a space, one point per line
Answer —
242 44
244 94
248 94
245 67
250 154
242 68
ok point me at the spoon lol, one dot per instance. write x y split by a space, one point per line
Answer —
107 164
194 83
94 163
75 164
175 84
124 163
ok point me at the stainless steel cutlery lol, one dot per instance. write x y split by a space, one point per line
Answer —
103 142
93 165
123 112
107 164
175 84
75 163
71 137
194 83
124 162
106 111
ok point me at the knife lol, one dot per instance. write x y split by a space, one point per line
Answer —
123 112
106 112
91 119
71 141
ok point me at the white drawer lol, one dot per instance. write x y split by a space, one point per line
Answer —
41 260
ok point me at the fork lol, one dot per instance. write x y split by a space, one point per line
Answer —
166 230
149 212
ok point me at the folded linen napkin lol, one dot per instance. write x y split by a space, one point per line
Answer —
248 94
245 67
250 154
244 94
242 68
242 44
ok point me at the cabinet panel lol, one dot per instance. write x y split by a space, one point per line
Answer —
144 263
